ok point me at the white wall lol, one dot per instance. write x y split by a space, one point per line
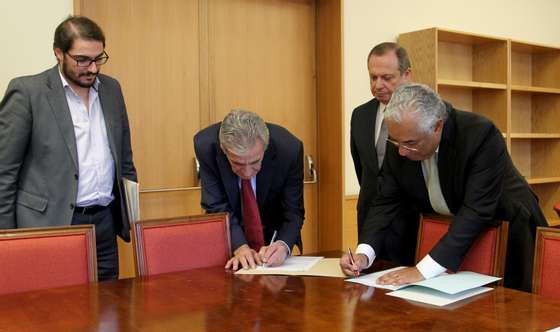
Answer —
27 30
369 22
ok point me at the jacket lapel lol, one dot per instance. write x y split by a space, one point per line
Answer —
264 177
447 158
231 181
370 123
107 100
59 107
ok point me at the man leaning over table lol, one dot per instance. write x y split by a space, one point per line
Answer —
254 171
454 163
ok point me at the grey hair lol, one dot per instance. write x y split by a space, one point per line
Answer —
420 99
240 130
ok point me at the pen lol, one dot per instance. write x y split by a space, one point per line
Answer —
352 260
273 238
271 242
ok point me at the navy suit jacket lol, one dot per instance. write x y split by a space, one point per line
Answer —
279 185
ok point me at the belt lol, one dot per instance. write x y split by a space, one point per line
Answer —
89 210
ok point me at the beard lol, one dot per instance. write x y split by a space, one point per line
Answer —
70 76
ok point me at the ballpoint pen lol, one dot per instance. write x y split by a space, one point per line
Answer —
352 261
271 242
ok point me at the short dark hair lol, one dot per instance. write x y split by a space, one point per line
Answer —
384 48
75 27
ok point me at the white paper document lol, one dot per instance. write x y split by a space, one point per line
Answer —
434 297
439 291
294 263
371 279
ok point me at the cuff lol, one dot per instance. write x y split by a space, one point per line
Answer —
287 247
366 249
429 268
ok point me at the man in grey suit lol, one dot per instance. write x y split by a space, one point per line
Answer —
65 145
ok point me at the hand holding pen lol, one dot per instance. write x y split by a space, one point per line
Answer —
352 264
275 253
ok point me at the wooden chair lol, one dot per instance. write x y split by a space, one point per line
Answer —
179 244
557 208
48 257
546 267
486 255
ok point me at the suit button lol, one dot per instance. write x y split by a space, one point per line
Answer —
76 176
72 206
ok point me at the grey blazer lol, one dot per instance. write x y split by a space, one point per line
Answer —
38 154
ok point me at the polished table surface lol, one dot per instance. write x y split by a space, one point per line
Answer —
216 300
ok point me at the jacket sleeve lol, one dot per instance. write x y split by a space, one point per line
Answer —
213 195
483 189
292 201
15 130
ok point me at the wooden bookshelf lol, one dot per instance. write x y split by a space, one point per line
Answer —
516 84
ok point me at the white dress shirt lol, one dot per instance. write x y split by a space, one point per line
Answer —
428 267
379 118
95 162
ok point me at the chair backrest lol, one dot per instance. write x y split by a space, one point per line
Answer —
546 267
48 257
486 255
556 208
182 243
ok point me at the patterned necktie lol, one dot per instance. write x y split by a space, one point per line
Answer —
381 143
251 217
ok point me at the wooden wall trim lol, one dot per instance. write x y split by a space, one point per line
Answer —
330 124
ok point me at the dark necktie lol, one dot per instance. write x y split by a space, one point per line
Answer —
251 217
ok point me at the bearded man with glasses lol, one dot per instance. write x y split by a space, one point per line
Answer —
65 145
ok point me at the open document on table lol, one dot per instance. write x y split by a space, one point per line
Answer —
301 266
441 290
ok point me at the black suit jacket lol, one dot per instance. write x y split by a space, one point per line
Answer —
400 242
480 184
279 185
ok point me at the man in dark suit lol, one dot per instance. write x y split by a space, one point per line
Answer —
240 158
388 66
65 145
454 163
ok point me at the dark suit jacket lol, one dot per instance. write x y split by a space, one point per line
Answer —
279 184
479 183
38 154
400 242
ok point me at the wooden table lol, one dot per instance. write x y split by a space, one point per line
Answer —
216 300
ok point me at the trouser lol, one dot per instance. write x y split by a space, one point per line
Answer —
105 240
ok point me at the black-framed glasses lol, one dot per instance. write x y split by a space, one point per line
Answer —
84 61
404 146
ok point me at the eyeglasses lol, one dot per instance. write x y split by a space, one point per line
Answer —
399 145
84 61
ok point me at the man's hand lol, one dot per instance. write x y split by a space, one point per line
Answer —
274 254
247 257
400 277
353 270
